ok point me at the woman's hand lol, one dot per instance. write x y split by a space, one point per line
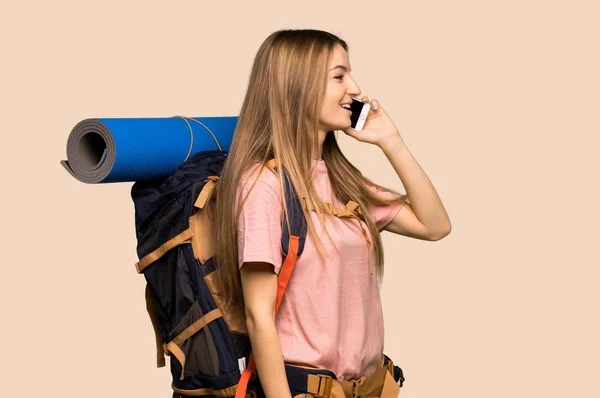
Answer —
378 128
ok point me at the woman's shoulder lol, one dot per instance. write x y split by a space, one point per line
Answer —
262 175
386 194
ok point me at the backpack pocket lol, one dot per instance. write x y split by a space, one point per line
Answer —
192 345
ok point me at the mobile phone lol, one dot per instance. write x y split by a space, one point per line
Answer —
360 110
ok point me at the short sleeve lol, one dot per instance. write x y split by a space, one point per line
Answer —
383 215
259 224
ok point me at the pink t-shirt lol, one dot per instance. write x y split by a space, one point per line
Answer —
331 315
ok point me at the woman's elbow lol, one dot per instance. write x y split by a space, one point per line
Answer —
259 284
259 320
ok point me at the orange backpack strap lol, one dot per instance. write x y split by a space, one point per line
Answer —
284 278
206 192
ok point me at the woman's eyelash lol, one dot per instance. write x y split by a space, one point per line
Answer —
339 77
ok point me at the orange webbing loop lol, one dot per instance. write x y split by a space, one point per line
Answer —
160 354
284 278
173 349
163 249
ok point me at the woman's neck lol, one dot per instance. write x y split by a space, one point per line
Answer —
322 135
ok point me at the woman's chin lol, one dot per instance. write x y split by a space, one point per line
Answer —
344 125
339 125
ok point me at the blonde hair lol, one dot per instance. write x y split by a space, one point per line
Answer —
279 119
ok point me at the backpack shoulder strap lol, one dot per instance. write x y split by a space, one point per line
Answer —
297 225
292 243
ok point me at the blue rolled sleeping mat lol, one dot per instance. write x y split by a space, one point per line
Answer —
141 149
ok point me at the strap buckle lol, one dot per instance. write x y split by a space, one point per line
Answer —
356 384
325 384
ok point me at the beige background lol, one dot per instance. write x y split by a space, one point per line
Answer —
498 101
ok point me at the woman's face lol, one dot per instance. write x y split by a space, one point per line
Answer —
340 90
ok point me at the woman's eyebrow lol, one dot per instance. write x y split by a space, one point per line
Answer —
342 67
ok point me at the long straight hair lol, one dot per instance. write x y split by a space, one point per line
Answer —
280 119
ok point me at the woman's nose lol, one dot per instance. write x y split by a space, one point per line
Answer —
354 90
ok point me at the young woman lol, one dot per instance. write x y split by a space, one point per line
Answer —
331 315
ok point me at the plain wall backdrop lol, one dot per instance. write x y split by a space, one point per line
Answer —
498 101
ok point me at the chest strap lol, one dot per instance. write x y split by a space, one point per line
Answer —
351 210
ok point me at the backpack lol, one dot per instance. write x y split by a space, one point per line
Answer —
207 342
